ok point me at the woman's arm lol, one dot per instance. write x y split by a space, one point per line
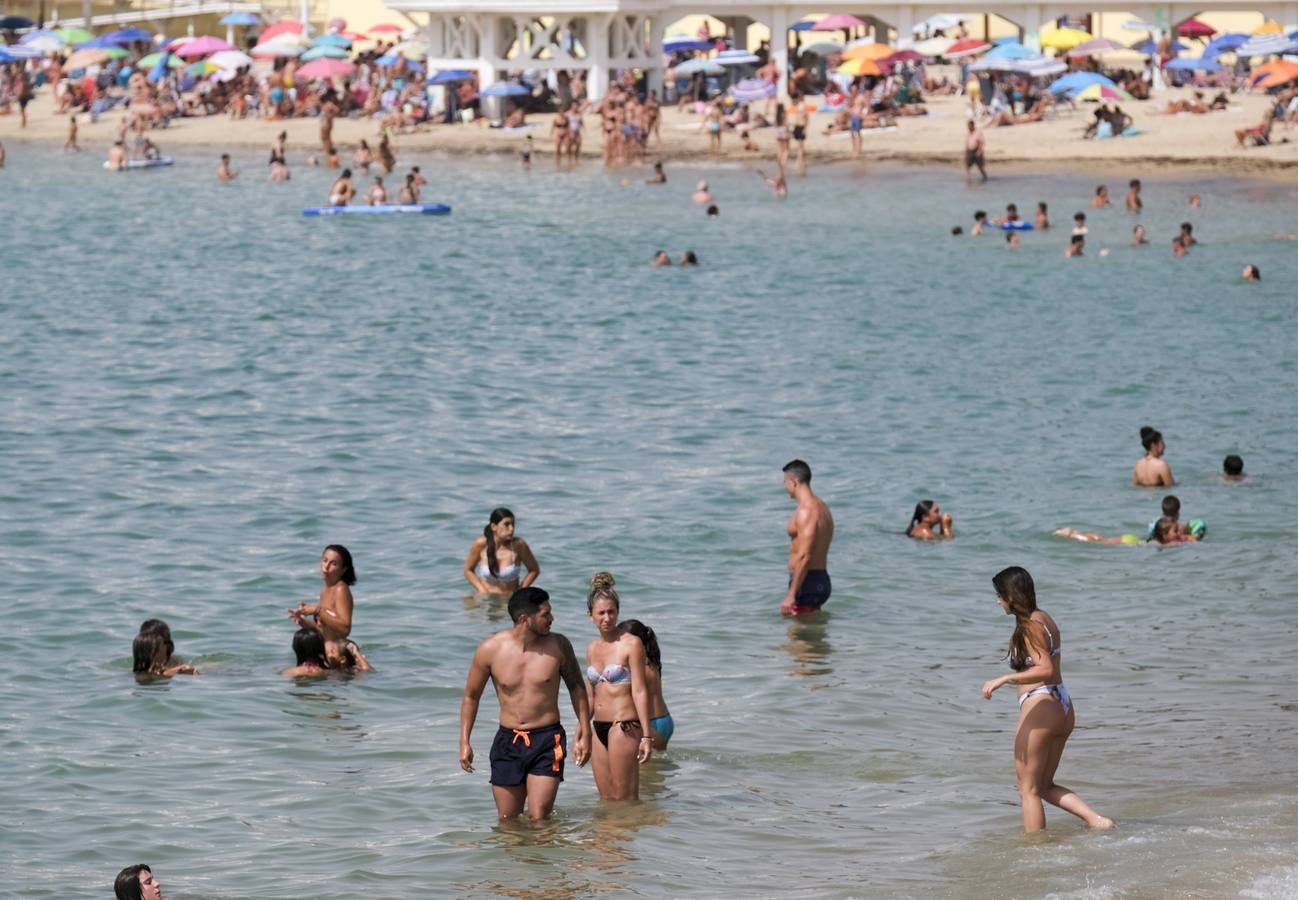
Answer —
1040 672
524 555
639 693
475 553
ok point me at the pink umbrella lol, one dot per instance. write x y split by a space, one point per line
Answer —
1093 46
324 67
966 47
386 27
201 46
288 27
903 56
839 22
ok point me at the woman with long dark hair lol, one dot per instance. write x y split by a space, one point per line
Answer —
496 560
929 523
661 726
1046 712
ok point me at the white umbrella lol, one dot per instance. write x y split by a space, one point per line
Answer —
230 59
942 21
706 66
932 46
735 58
1265 45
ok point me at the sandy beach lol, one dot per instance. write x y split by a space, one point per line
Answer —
1180 143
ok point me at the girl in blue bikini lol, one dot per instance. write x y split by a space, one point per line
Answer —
1046 713
661 726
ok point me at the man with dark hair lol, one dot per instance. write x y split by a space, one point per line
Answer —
525 664
137 883
1233 468
811 529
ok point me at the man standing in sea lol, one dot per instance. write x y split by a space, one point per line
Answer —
811 530
525 664
975 152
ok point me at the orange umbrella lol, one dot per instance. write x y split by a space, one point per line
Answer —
1273 74
860 67
1272 66
869 51
1269 28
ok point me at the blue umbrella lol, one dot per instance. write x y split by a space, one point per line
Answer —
6 56
33 35
102 42
1224 43
127 36
15 23
332 40
324 50
18 51
1076 81
240 18
450 76
1009 51
160 68
1265 45
1187 64
1149 48
506 89
682 44
803 26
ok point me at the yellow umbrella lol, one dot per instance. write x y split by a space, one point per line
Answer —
868 51
859 67
1065 38
1269 28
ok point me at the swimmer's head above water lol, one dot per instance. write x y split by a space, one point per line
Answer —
1152 441
1233 466
343 556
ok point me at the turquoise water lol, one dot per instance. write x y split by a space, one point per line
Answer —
202 389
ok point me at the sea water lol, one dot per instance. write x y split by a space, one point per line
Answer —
201 389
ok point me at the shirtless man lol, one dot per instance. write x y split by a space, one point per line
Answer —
811 529
525 664
1134 205
342 191
975 152
117 156
223 171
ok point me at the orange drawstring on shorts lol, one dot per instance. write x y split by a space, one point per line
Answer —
525 735
557 765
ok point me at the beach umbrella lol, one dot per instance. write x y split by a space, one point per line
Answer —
150 61
1190 64
1138 25
1039 67
201 46
239 18
1102 92
1269 28
1149 48
506 89
1075 81
411 49
89 57
127 36
855 67
752 89
20 51
275 49
838 22
332 40
804 25
1193 28
683 43
869 51
159 71
735 58
1010 51
97 42
822 48
325 51
39 33
451 76
326 68
201 68
1093 46
903 56
1277 73
934 46
230 59
940 22
1065 38
15 23
1265 45
75 35
966 47
700 65
1225 43
288 26
43 43
386 28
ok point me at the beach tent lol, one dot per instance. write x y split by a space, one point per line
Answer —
1191 64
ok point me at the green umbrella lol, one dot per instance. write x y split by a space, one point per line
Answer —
116 53
75 35
148 62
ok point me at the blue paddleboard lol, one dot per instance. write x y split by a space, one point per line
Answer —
427 209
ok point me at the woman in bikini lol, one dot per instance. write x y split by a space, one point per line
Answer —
496 560
929 523
619 697
1152 470
1046 713
661 726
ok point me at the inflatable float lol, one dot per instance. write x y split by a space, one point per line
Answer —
427 209
1018 225
141 163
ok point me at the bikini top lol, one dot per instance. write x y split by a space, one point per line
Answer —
612 674
1052 644
511 572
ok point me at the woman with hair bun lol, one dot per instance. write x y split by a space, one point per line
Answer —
1046 712
496 560
619 697
1152 471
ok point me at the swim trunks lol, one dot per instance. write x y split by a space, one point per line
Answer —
815 589
799 133
855 124
973 158
516 753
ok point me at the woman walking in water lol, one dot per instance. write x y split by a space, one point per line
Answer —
1046 713
1152 471
496 560
619 697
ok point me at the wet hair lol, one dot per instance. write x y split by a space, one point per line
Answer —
1162 528
1186 228
980 215
1012 208
690 259
309 647
713 211
1171 506
415 169
647 637
349 570
162 630
1137 227
956 229
225 157
498 515
526 602
1079 217
658 166
1257 273
1041 205
800 471
365 143
1135 182
149 654
1149 437
1098 190
1077 239
922 509
1233 465
1010 236
601 588
127 884
347 173
1014 586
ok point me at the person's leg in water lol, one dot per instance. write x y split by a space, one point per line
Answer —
1038 746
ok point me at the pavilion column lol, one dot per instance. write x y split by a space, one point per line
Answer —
780 46
85 14
905 23
1290 21
657 31
1032 27
488 52
597 54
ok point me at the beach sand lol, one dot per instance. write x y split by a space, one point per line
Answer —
1181 143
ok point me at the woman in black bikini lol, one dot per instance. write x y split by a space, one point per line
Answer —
619 697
